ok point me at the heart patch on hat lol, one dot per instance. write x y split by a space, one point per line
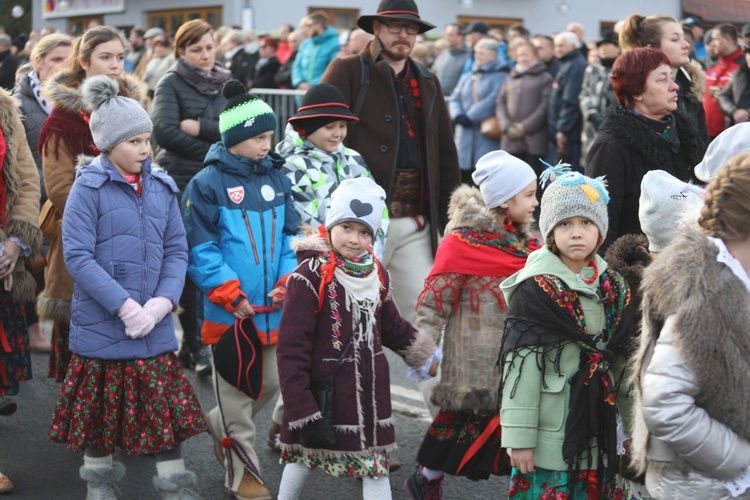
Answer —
360 209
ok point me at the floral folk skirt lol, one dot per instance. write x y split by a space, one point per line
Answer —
462 436
141 406
15 356
553 485
370 463
59 355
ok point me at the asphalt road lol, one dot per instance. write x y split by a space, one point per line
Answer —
43 470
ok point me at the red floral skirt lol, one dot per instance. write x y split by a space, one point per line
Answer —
450 438
59 354
141 406
15 357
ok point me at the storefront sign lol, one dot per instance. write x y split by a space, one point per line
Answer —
67 8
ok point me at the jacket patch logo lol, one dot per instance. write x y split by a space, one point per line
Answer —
236 194
250 122
267 192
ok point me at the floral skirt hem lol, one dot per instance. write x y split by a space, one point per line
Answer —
369 463
59 354
15 356
141 406
554 485
452 434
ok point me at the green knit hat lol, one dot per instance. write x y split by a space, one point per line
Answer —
244 115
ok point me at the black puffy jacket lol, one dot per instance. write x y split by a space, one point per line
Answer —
181 154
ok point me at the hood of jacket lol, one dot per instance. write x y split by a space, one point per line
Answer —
220 157
494 66
64 90
467 209
543 261
327 34
712 313
693 78
535 69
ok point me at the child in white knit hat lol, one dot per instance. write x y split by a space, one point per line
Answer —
566 341
487 240
124 246
333 338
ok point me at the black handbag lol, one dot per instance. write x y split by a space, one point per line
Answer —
320 433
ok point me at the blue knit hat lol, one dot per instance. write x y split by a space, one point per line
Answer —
244 115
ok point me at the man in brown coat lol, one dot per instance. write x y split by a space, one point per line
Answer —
405 136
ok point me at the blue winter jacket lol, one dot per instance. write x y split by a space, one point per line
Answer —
314 56
116 246
240 218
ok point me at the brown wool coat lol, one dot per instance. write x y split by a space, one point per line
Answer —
58 166
22 194
376 136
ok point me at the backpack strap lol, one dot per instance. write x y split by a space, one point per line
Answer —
364 84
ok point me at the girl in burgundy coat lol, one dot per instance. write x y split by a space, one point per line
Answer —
343 311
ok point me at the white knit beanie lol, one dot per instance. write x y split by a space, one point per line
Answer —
359 200
572 194
733 141
662 207
500 176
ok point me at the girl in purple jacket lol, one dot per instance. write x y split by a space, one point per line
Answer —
343 316
124 245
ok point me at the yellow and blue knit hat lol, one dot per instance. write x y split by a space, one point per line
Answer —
244 115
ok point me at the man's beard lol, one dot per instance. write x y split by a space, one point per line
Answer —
396 56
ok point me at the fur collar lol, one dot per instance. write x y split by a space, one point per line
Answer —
712 333
64 90
643 141
310 242
695 78
467 209
629 256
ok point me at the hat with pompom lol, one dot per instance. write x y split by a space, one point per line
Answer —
244 115
114 118
572 194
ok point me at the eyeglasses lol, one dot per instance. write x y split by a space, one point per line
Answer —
395 28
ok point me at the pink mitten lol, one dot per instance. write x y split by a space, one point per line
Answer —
158 308
138 323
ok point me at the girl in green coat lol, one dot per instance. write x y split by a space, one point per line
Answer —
567 335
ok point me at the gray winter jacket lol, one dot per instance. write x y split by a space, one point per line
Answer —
33 119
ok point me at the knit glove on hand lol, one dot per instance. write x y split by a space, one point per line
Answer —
422 373
158 308
138 322
516 131
463 120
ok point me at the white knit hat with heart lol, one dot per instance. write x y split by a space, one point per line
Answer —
358 200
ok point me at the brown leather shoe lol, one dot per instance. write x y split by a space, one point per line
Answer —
273 436
251 489
218 449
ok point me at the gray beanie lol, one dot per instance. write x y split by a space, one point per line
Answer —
733 141
572 194
500 176
359 200
665 201
114 118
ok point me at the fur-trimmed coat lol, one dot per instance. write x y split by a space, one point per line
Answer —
22 193
310 345
692 82
692 417
469 311
59 148
625 150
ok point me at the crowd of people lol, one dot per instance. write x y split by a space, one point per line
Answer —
552 234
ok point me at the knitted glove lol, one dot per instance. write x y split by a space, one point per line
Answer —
516 131
463 120
158 308
422 373
138 323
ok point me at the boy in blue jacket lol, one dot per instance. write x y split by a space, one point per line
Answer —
239 218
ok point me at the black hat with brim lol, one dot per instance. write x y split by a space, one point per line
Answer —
323 101
403 10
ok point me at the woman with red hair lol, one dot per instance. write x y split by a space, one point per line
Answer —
644 131
267 65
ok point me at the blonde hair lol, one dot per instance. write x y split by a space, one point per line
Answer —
641 31
49 42
726 212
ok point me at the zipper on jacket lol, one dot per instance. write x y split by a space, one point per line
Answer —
250 234
273 231
263 241
312 63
